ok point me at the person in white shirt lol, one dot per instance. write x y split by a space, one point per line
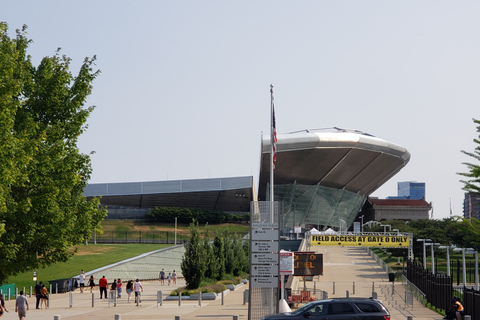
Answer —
81 279
137 287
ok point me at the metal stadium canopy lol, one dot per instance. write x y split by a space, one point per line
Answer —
335 158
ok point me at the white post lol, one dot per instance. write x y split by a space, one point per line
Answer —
464 268
175 230
433 260
424 256
448 261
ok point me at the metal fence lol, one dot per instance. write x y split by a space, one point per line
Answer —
438 289
471 302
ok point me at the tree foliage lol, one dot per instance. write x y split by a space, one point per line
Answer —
193 262
187 215
473 174
43 212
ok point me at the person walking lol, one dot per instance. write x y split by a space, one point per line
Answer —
44 292
103 284
162 277
38 294
81 280
129 289
119 288
138 289
113 289
174 277
3 309
21 306
169 278
91 283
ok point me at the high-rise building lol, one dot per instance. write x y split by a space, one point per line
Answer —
411 190
471 205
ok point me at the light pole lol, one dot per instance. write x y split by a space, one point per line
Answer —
433 256
469 251
448 257
361 217
424 252
175 230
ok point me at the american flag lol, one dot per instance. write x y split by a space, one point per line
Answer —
274 138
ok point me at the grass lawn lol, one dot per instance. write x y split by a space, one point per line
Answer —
88 258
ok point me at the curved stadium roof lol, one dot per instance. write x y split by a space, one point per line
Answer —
336 158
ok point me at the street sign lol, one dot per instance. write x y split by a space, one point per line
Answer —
264 270
259 258
286 262
264 234
264 246
264 282
260 225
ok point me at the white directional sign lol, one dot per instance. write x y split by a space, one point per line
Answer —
260 225
264 246
264 258
264 282
264 234
264 270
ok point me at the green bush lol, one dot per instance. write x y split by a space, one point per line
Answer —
187 215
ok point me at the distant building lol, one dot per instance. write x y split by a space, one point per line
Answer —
410 190
395 209
471 205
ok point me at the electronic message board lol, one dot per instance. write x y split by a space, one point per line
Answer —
307 264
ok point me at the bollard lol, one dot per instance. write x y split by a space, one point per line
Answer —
325 295
199 298
374 295
56 318
223 297
245 296
118 317
159 298
179 301
50 288
178 317
48 300
353 287
393 288
8 294
333 287
30 293
347 294
373 286
314 288
56 287
93 299
24 292
70 298
235 317
467 317
409 317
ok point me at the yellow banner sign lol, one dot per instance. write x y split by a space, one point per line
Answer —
360 241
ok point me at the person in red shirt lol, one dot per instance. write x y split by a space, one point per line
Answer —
103 284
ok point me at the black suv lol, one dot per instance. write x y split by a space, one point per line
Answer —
337 309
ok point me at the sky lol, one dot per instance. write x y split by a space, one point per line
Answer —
184 89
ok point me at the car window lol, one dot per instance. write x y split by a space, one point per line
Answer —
318 310
367 307
340 308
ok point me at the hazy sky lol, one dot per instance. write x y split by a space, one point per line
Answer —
184 85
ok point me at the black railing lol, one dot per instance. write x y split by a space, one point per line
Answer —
438 289
156 237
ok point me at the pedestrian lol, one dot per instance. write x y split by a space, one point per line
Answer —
174 277
3 309
119 288
81 280
21 306
169 278
38 294
113 289
44 292
103 284
91 283
129 289
162 277
138 289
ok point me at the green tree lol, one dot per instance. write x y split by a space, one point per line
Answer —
43 213
473 174
219 255
193 263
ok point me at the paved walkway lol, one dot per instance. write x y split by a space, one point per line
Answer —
344 266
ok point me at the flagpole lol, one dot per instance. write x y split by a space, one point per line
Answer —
272 166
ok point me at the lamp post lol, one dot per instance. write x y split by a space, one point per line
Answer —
433 256
469 251
448 257
424 252
361 217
